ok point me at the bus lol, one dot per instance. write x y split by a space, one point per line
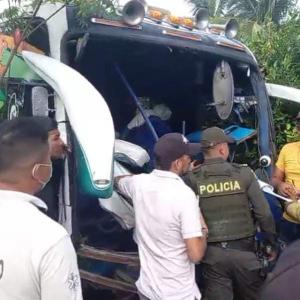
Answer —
97 79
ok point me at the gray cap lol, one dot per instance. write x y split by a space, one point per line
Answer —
213 136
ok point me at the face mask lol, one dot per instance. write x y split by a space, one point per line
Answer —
35 171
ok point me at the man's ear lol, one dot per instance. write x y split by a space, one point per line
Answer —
178 164
222 149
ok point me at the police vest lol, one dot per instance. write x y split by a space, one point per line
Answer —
224 202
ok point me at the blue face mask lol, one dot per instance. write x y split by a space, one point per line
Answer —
37 170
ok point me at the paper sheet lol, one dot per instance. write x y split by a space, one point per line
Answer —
267 188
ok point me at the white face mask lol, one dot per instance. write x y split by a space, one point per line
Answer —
35 170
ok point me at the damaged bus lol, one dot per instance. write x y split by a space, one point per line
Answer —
114 87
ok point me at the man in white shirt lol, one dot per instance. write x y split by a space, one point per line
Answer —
168 227
37 258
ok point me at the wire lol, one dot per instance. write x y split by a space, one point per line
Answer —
46 20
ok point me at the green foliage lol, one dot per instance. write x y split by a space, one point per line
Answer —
284 124
277 49
88 8
215 7
260 10
13 18
256 10
16 16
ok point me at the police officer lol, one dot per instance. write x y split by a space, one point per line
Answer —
232 204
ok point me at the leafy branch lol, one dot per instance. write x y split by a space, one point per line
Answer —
16 16
12 18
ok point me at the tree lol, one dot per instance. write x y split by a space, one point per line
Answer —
12 18
16 16
16 20
215 7
258 11
277 49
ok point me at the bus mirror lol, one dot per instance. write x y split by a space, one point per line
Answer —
39 100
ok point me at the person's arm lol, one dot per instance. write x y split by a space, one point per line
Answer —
196 248
204 227
125 185
261 209
191 227
59 275
118 178
262 214
278 177
284 188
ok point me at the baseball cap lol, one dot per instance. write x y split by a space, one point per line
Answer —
213 136
172 146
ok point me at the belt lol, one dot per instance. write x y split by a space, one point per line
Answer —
247 244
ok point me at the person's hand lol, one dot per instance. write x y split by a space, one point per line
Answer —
287 189
67 148
272 255
193 165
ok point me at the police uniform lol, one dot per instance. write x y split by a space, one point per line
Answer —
231 202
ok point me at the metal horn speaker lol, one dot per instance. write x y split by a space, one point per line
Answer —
201 18
230 28
134 12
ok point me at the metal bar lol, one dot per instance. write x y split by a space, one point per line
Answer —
107 282
109 256
137 102
45 21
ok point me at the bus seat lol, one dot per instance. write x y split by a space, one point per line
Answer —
130 154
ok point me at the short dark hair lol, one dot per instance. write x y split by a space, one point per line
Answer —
162 164
207 150
21 139
47 123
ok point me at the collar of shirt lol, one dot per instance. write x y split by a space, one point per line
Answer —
6 194
214 160
165 174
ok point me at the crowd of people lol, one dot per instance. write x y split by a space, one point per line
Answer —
185 214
